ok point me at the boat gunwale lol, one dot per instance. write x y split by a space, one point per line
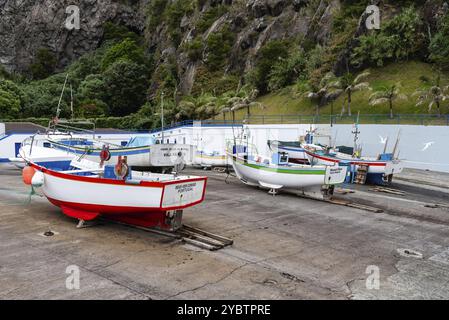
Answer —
157 184
361 162
313 170
97 150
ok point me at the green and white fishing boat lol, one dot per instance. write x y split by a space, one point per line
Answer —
277 173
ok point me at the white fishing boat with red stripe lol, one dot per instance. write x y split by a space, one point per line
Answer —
379 171
87 191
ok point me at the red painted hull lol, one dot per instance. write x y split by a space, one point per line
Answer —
145 203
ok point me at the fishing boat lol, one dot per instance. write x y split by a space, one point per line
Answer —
373 170
43 156
87 190
294 149
210 159
277 173
137 150
380 170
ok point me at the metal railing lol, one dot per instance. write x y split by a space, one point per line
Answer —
409 119
398 119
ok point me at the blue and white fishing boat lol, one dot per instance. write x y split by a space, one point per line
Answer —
294 149
137 150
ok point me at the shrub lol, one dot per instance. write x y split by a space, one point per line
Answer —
287 71
219 45
439 46
195 49
272 51
44 64
127 50
399 39
118 33
125 85
10 99
209 17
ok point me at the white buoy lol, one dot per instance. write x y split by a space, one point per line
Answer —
38 179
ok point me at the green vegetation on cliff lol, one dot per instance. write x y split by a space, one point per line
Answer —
214 59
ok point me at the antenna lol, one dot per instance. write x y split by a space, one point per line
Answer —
386 145
397 143
58 110
356 132
162 115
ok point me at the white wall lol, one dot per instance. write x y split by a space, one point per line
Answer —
411 147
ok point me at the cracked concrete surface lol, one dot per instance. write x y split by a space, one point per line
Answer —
285 247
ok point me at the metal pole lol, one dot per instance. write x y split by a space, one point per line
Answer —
71 101
58 111
162 116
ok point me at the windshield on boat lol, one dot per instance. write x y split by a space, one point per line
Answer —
141 141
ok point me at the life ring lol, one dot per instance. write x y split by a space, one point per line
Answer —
121 169
105 154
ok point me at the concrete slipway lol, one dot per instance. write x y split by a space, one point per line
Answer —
285 247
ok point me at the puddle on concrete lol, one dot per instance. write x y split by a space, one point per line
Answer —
410 253
48 234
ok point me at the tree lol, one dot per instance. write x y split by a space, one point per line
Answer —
387 95
327 91
350 84
287 71
219 45
434 95
271 52
92 109
400 38
125 85
92 88
10 99
44 64
439 44
127 50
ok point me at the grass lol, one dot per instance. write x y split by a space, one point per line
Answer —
408 74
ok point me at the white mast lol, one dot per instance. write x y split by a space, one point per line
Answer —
162 116
58 111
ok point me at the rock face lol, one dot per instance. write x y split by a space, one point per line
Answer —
27 26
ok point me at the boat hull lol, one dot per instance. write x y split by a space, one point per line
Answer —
288 177
86 198
378 171
210 160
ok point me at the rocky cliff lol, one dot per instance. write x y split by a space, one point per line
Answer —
178 32
27 26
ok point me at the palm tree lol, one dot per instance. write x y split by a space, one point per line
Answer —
327 91
350 84
387 94
186 110
318 97
434 95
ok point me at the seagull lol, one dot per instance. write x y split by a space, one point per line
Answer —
427 145
383 140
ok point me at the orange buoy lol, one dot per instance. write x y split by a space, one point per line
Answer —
27 174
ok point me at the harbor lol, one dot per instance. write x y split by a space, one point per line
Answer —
298 248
